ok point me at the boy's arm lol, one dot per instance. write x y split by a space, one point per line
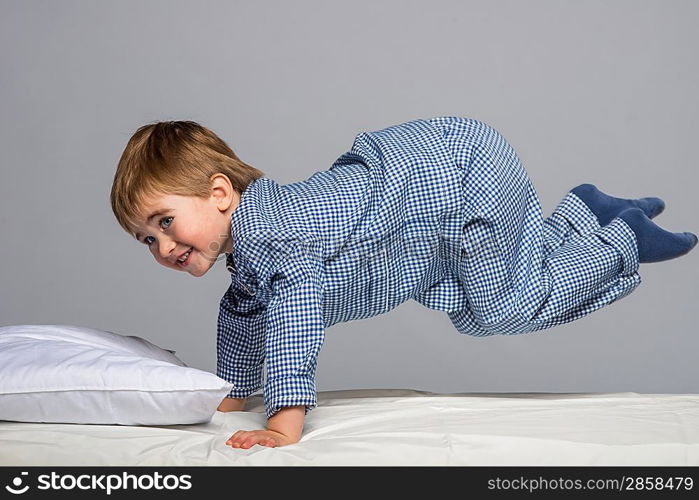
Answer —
240 346
295 334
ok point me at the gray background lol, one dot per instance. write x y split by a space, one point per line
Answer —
596 91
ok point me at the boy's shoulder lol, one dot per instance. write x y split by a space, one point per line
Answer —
268 235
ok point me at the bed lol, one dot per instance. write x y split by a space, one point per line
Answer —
395 427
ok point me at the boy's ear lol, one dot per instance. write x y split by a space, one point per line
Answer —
222 190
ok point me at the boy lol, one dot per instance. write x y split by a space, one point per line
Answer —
436 210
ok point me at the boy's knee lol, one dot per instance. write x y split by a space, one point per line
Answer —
511 325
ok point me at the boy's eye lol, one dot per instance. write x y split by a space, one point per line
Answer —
160 222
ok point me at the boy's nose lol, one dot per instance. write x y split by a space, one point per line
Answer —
165 249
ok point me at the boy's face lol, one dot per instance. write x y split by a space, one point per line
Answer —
174 224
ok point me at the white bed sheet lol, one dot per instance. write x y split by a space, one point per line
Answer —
397 427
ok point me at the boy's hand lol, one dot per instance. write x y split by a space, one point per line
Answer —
263 437
284 427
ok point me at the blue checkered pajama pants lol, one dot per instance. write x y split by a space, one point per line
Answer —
524 273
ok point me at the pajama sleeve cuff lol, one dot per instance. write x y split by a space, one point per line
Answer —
618 234
242 392
289 391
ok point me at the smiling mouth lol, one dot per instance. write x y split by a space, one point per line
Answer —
185 263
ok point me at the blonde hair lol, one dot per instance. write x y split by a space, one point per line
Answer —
172 157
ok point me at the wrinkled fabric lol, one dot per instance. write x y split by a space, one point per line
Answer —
436 210
396 427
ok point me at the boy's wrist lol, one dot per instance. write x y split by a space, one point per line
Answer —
231 404
288 421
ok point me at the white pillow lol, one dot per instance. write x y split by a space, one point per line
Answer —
72 374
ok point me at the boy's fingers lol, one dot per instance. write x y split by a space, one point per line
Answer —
234 437
247 439
251 441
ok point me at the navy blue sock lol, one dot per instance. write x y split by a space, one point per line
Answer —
607 207
654 243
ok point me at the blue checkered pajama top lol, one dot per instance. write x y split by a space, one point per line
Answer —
436 210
